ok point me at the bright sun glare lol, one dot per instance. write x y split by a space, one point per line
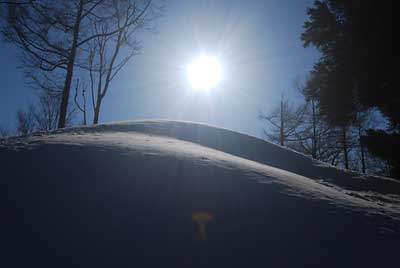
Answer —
204 72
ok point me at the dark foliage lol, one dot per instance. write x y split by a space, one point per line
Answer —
355 70
386 146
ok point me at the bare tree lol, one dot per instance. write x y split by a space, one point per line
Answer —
4 132
315 137
47 113
311 114
51 34
48 87
108 54
81 107
284 122
327 142
363 160
26 122
338 145
43 116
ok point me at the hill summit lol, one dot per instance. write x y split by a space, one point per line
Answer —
181 194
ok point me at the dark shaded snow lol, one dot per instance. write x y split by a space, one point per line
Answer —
123 194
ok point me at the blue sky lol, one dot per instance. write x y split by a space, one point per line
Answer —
257 42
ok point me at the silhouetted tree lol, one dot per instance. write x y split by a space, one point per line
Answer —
46 112
365 119
304 128
51 34
43 116
355 40
49 88
385 146
284 122
26 122
47 32
4 132
81 107
108 54
331 86
316 134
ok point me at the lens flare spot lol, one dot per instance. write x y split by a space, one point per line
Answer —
202 218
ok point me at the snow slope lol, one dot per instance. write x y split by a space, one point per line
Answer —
127 194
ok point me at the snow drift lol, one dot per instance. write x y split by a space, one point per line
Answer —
181 194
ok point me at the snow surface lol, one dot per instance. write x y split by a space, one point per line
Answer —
123 194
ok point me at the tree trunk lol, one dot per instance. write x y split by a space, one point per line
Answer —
84 107
97 111
314 138
70 70
345 149
363 167
282 138
102 93
96 115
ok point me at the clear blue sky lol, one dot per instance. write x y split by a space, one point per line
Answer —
257 42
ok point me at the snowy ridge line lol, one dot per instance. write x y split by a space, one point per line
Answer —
295 184
239 144
126 124
149 126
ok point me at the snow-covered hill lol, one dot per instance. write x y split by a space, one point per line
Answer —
181 194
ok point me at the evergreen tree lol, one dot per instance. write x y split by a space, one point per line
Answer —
355 69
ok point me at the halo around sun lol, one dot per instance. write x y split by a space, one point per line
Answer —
204 73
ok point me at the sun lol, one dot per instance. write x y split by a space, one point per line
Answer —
204 72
